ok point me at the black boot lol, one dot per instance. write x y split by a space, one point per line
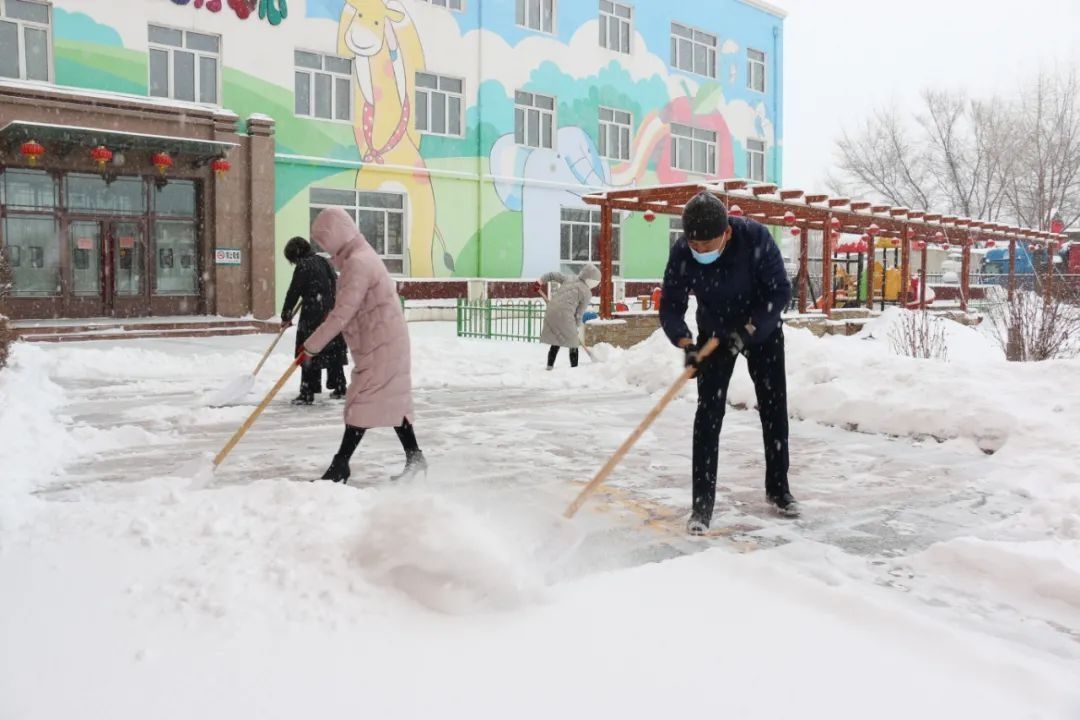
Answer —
785 504
337 394
415 463
304 398
338 470
697 525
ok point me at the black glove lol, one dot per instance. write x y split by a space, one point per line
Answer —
690 356
736 344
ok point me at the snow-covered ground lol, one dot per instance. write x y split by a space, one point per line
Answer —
935 572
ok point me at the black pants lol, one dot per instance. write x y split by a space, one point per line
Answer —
353 435
311 378
553 352
766 365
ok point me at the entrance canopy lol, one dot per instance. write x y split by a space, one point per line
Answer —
68 137
768 204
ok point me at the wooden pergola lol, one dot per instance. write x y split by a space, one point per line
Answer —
769 204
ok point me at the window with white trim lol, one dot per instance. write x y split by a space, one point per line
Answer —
534 120
693 150
615 129
579 239
26 40
449 4
693 50
755 159
185 65
379 215
536 15
675 230
755 70
440 102
616 26
323 86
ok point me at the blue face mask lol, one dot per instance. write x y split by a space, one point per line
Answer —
706 258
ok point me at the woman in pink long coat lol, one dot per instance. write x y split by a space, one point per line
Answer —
368 313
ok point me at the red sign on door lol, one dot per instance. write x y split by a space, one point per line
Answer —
85 243
127 242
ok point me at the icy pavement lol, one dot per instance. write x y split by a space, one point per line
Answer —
935 530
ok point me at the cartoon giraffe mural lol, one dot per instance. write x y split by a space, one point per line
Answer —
385 48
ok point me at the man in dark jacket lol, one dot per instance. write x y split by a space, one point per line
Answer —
315 282
736 272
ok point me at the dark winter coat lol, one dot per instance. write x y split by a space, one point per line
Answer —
315 282
746 285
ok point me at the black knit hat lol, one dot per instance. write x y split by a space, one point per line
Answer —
704 217
297 248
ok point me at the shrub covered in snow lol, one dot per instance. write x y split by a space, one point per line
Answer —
918 335
1031 329
6 335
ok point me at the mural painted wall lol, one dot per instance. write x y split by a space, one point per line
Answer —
469 197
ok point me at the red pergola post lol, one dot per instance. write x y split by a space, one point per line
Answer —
607 285
905 265
1012 268
965 269
871 258
804 267
826 265
922 276
1049 294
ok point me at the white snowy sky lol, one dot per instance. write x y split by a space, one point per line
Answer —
845 57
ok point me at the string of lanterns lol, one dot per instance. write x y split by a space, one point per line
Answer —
32 151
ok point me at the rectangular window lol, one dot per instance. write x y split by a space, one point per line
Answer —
379 215
32 248
184 65
534 120
440 102
615 129
755 70
91 194
616 26
755 159
25 40
176 244
536 15
674 230
450 4
693 50
322 86
693 150
579 239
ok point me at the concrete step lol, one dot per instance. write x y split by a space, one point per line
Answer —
136 332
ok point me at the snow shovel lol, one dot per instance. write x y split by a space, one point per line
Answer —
614 460
239 388
581 330
220 457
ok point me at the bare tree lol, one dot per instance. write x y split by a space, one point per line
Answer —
1031 328
918 335
1048 154
984 158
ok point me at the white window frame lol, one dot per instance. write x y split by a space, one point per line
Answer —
696 37
334 77
675 229
756 149
623 130
523 110
455 5
20 32
683 159
593 224
761 65
429 92
522 15
359 203
610 17
199 55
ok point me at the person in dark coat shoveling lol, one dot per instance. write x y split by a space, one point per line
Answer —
565 311
314 281
736 272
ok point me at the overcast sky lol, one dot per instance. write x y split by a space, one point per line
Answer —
845 57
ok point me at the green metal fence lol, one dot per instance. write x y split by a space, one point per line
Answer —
519 320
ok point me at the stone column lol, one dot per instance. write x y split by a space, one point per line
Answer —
263 226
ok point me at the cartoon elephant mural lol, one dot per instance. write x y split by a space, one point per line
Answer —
539 182
385 48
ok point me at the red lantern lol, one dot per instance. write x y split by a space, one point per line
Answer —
735 211
222 166
921 245
910 232
939 236
990 243
162 161
796 231
895 242
873 230
101 155
32 150
789 218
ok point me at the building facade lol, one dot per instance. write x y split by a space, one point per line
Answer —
460 134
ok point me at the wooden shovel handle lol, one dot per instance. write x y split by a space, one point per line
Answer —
256 413
619 454
273 345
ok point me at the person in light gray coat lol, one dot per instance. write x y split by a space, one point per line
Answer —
565 310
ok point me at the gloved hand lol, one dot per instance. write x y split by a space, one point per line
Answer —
538 288
304 356
286 322
736 344
690 356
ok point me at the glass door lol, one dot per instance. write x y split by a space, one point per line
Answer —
87 258
129 259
